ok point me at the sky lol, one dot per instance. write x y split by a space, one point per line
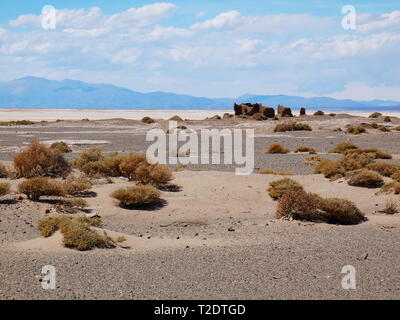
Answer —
219 48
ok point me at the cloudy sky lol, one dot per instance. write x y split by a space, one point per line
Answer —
223 48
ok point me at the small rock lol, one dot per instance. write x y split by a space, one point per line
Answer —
231 229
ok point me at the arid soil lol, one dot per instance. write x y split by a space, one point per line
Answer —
215 236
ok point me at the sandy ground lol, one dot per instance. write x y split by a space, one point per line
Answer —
216 237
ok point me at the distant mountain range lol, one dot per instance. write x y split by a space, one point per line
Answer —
33 92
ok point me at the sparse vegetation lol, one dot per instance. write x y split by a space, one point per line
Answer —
375 115
258 117
356 130
355 161
397 128
396 176
300 205
343 147
292 126
393 186
38 160
34 188
305 149
329 168
61 146
77 232
148 120
4 188
278 173
385 168
154 174
366 178
391 207
387 119
375 153
319 113
3 171
279 187
137 196
277 148
77 186
16 123
130 163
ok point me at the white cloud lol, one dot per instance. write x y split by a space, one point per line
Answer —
201 14
225 20
126 56
363 91
385 21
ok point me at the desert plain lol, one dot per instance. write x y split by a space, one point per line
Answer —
216 234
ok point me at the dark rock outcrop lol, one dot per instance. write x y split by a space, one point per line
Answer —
249 109
302 111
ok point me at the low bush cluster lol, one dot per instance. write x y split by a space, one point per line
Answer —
300 205
277 148
38 160
310 150
137 196
356 129
77 232
4 188
366 178
278 188
292 126
34 188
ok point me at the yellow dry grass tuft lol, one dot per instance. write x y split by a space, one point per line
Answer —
366 178
279 187
277 148
34 188
137 196
4 188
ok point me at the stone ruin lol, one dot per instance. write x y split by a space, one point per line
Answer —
249 109
284 111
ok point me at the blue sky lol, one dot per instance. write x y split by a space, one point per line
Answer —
222 48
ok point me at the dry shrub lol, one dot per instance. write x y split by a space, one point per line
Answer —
76 186
366 178
385 168
4 188
312 160
38 160
305 149
341 211
319 113
154 174
396 176
76 232
71 206
389 187
292 126
279 187
375 153
300 205
137 196
258 117
397 128
277 148
375 115
355 161
387 119
329 168
94 163
176 118
278 173
148 120
356 130
130 163
34 188
384 129
3 171
16 123
343 147
391 207
61 146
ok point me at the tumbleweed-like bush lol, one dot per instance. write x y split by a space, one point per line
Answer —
148 120
77 186
38 160
34 188
375 153
329 168
4 188
277 148
292 126
77 232
356 129
279 187
366 178
154 174
300 205
61 146
130 163
305 149
375 115
137 196
385 168
343 147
